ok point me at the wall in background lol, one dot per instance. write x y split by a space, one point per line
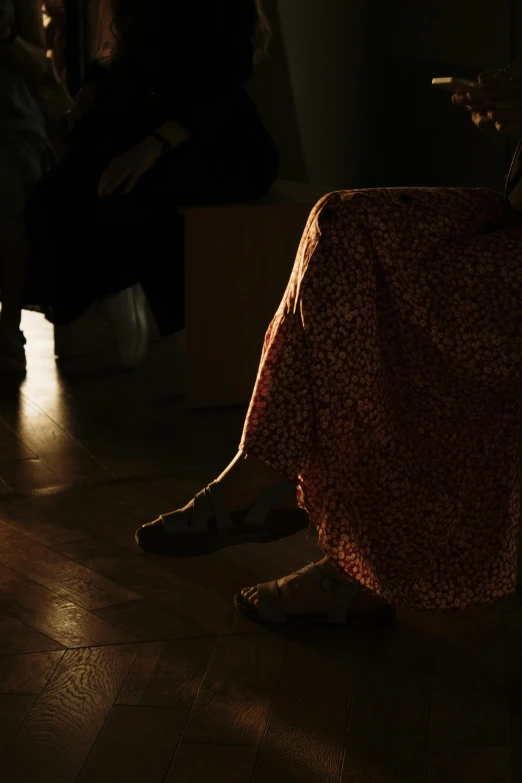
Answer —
334 50
272 92
347 93
426 140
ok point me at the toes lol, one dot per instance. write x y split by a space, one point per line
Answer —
150 532
155 523
250 595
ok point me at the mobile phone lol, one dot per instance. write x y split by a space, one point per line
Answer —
454 84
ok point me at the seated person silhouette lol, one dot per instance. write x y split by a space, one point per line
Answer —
162 120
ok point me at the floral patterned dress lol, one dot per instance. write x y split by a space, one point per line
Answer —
390 386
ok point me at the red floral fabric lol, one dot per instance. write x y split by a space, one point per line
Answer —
390 386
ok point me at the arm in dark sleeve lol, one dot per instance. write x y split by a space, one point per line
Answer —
95 73
213 62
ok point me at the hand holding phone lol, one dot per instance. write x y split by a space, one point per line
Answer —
454 84
470 95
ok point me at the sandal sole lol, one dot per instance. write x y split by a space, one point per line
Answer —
199 544
378 619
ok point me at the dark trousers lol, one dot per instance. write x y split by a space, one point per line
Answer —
85 247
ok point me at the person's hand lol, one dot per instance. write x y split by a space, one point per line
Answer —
479 103
129 167
497 105
505 91
83 105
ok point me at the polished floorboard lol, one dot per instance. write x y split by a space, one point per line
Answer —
116 667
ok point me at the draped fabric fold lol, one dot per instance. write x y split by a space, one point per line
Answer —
390 386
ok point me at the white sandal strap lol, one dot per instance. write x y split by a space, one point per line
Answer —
339 611
269 603
220 508
199 520
259 510
343 593
193 519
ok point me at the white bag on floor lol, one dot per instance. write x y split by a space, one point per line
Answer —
126 316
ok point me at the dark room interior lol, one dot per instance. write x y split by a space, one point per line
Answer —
347 318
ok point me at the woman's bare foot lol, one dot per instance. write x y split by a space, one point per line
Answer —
248 503
301 594
245 480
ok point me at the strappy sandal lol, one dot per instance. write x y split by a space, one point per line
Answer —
191 532
269 608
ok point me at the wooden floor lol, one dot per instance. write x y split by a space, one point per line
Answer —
116 667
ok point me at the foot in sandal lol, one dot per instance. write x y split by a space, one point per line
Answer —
248 503
317 593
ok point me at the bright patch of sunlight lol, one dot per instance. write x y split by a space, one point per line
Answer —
42 375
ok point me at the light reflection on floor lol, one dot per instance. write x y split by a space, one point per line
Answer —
41 364
132 422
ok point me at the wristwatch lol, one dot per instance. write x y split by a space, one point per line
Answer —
164 143
13 35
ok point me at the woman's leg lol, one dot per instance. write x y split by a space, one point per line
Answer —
126 239
389 390
76 257
389 386
123 239
226 171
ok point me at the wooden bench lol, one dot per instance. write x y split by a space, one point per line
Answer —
238 260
